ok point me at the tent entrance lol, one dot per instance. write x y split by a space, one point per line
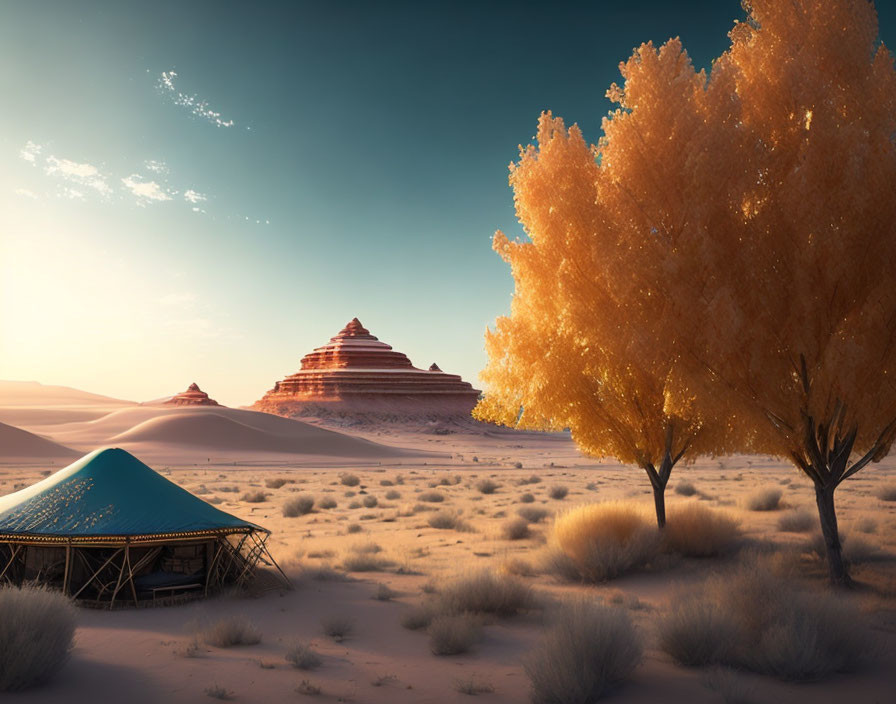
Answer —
139 572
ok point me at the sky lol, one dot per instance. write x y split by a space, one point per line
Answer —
206 191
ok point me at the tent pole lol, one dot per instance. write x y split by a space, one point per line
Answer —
124 561
95 574
68 560
12 559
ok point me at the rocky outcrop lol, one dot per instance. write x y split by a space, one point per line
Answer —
355 373
193 396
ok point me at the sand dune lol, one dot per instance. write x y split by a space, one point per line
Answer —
245 431
18 443
33 393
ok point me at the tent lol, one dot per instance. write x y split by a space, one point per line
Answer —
108 528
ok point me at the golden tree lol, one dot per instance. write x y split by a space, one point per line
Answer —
717 274
592 343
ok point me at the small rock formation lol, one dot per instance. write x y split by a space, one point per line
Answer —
193 396
356 374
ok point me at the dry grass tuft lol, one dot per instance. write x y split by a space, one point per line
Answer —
597 542
446 520
796 521
685 489
303 657
308 688
764 500
558 492
694 530
37 628
327 502
349 479
298 506
753 620
384 592
887 493
453 634
254 497
338 627
472 686
587 650
517 529
432 497
527 498
485 592
393 495
486 486
230 631
532 514
216 691
275 482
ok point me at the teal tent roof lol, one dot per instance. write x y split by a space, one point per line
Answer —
109 493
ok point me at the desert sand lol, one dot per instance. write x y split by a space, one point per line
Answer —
142 654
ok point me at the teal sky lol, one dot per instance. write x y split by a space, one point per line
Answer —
206 191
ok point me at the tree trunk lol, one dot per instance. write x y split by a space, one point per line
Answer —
824 497
659 501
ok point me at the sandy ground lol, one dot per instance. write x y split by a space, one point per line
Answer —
138 655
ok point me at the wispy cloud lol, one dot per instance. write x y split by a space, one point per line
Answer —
157 167
25 193
193 103
145 191
30 151
194 196
79 173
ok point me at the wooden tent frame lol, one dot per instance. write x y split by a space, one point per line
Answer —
237 553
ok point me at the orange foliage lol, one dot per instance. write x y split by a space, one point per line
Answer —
721 263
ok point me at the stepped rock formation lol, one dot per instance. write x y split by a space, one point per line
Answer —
193 396
356 374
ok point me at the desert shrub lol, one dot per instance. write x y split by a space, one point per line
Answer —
365 562
527 498
418 617
37 628
588 649
472 686
384 592
856 549
887 493
303 657
685 489
228 489
254 497
558 492
517 529
275 482
486 486
693 530
453 634
327 502
386 482
753 620
323 573
308 688
866 524
764 500
354 505
298 506
216 691
597 542
446 520
349 480
797 521
337 627
485 592
393 495
532 514
230 631
518 567
432 497
369 501
534 479
353 528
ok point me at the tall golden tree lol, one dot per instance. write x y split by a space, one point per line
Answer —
591 344
718 272
801 315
